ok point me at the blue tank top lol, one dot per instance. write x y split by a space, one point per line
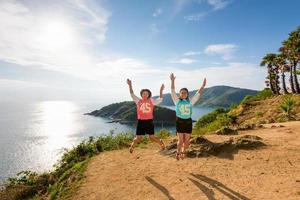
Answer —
184 109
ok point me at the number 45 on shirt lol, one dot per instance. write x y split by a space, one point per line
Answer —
145 108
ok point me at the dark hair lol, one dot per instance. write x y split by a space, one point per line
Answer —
187 91
146 90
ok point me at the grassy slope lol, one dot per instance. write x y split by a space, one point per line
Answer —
266 111
254 110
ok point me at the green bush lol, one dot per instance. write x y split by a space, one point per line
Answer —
233 106
287 106
209 118
262 95
213 121
259 114
247 99
163 133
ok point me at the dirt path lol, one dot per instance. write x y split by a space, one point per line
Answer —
272 172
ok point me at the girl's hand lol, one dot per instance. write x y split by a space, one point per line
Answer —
203 84
162 87
172 77
129 82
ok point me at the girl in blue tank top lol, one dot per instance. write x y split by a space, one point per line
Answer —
184 108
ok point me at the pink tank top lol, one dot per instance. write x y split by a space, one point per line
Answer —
145 109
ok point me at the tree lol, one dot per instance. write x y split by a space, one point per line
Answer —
280 62
269 61
292 45
285 51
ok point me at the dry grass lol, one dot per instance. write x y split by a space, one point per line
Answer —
265 111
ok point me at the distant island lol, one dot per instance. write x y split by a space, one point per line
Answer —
125 113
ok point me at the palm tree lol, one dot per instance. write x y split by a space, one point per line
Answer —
280 62
297 48
269 61
292 53
285 51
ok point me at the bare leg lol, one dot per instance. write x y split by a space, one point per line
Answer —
183 142
135 141
153 138
186 144
179 144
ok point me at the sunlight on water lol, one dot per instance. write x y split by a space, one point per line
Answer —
58 122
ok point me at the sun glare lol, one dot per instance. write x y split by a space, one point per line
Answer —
55 35
58 122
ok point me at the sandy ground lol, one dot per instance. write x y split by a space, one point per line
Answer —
272 172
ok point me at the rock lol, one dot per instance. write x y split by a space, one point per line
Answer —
172 145
260 126
199 140
202 147
226 131
272 120
247 127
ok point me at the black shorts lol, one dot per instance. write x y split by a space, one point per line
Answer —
145 127
184 125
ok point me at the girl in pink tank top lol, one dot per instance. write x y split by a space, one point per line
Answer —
145 109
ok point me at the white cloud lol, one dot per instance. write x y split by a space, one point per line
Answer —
195 17
110 85
12 84
225 50
157 12
192 53
185 61
32 34
218 4
244 75
180 4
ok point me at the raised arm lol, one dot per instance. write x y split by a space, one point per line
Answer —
160 98
134 98
173 93
197 96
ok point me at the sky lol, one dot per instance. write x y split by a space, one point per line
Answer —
86 49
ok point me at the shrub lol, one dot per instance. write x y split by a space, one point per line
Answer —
213 121
262 95
209 118
233 106
163 133
287 106
259 114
